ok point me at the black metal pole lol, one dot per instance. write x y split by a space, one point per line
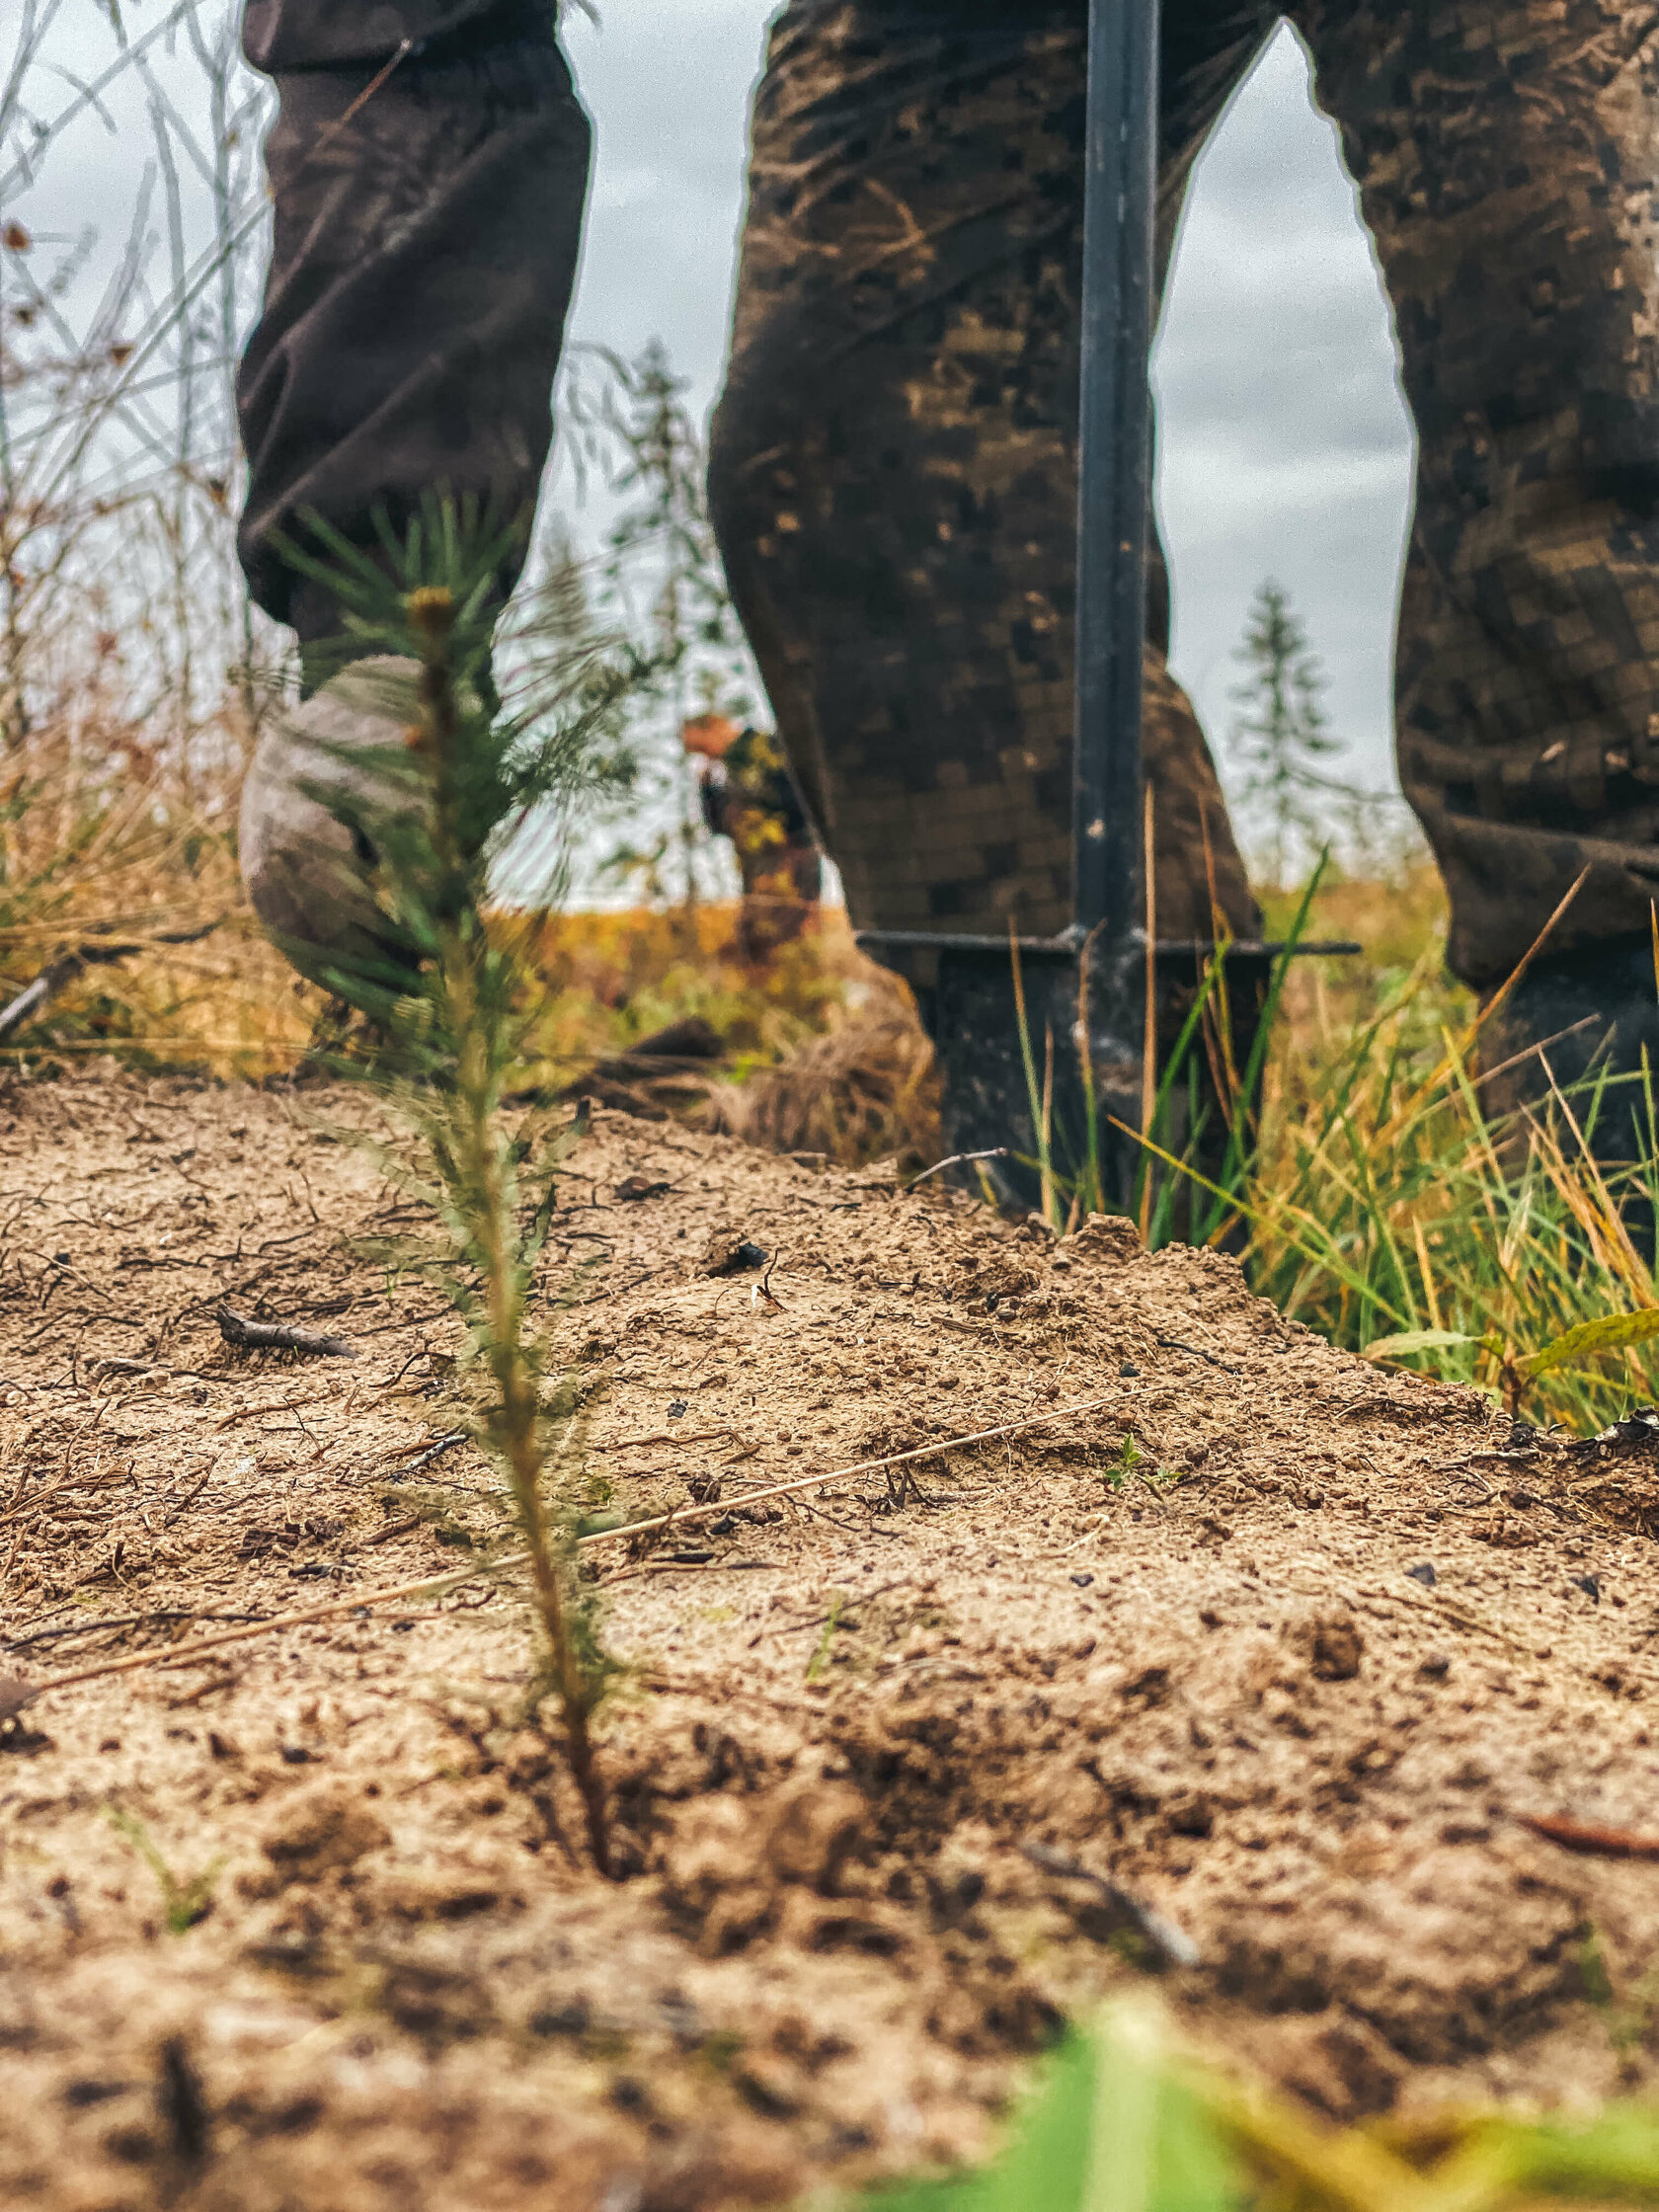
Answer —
986 1106
1114 468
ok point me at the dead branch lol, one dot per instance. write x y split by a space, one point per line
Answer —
69 965
277 1336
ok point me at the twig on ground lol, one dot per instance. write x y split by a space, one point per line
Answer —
123 1621
639 1443
256 1412
186 1654
1171 1945
277 1336
1588 1842
424 1455
702 1565
684 1514
1196 1351
180 1655
396 1529
957 1160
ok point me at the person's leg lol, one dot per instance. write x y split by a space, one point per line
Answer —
894 461
1504 163
427 204
428 214
781 884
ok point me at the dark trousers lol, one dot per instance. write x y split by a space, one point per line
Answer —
428 220
893 465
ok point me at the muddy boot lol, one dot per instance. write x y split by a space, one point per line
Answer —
989 1102
307 872
990 1099
1568 1020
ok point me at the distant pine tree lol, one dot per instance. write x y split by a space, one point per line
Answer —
1282 735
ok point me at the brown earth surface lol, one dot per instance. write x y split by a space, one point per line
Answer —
1207 1675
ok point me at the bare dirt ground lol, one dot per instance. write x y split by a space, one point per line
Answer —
1220 1675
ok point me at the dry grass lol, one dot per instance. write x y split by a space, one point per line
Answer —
821 1049
865 1090
104 837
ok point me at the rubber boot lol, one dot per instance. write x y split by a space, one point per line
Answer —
1568 1020
992 1097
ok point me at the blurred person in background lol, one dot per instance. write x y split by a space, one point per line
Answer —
749 797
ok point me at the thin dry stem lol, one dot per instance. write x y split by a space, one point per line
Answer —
177 1655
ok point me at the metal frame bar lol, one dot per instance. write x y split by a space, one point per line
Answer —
1114 464
1114 501
1167 948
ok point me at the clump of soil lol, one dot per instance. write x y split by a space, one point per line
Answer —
1278 1646
866 1089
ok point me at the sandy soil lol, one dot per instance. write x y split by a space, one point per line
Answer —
1218 1675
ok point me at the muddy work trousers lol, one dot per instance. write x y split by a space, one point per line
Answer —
893 468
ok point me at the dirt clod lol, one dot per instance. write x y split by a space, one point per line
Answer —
1337 1648
319 1831
815 1827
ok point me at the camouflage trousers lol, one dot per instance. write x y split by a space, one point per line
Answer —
892 467
893 460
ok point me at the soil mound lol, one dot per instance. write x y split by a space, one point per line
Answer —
1248 1670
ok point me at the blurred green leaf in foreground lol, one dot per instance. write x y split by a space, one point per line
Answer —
1123 2120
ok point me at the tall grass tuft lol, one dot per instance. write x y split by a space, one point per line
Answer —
1392 1207
1382 1194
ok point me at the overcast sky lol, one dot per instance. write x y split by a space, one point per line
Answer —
1284 447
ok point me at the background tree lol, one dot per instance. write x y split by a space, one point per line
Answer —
661 583
1282 735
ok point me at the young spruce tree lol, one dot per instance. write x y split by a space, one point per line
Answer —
1281 738
450 990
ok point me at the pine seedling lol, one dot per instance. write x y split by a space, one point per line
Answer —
183 1902
450 988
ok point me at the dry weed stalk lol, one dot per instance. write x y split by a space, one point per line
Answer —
105 842
132 669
